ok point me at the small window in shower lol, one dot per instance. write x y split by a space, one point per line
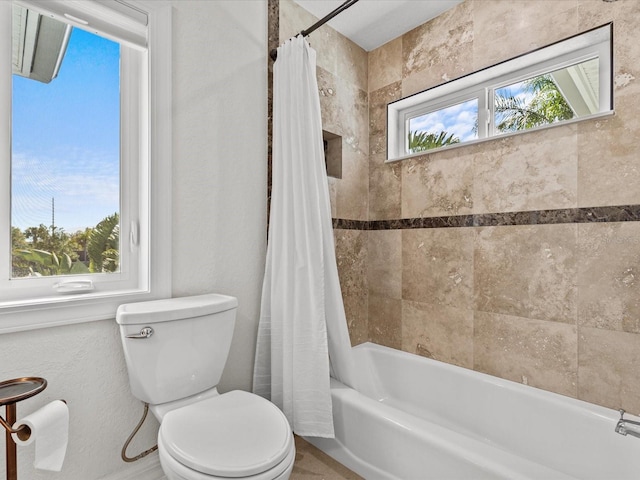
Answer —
567 81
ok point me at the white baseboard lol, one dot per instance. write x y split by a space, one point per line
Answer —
147 470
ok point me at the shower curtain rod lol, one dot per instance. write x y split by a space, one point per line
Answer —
274 53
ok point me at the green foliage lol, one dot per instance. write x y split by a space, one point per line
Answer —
102 245
422 141
18 240
547 106
41 251
42 263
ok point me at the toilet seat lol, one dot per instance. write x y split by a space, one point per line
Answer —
174 470
233 435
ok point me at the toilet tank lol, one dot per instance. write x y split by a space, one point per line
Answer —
186 352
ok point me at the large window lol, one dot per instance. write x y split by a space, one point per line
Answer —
65 152
567 81
84 153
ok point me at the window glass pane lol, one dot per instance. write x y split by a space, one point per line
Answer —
65 166
564 94
454 124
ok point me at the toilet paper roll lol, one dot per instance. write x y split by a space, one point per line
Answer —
50 431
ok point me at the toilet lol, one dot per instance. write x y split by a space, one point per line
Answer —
175 350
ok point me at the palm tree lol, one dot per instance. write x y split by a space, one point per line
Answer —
36 252
102 245
422 141
547 106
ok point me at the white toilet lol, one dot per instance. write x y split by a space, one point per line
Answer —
175 351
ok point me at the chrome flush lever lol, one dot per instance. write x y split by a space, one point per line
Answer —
146 332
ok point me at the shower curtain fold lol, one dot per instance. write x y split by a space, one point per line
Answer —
302 319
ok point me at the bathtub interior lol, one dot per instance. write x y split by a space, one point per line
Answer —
568 436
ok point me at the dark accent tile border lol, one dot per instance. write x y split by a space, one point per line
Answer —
623 213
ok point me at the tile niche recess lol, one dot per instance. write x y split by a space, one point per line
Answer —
333 153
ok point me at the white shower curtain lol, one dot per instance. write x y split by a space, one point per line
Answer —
302 319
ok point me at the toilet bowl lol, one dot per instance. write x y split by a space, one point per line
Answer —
233 435
175 351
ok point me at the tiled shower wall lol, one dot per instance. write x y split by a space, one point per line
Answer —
550 299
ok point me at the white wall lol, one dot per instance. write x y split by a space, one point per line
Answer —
219 195
219 173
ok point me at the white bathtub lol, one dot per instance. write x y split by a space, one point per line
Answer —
420 419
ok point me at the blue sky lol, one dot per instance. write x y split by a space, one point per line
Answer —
458 119
66 139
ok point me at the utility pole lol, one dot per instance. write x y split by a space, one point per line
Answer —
53 216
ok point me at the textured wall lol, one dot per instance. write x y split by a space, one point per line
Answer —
85 366
219 193
219 169
554 306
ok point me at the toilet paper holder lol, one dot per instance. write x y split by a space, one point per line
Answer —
12 392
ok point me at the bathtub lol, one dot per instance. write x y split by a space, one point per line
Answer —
417 418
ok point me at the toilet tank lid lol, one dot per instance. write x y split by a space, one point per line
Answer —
174 309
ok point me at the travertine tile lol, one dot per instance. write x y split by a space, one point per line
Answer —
609 276
535 352
438 50
515 277
324 41
384 263
354 116
385 189
608 160
294 18
504 29
330 105
437 266
378 101
527 271
438 184
385 321
352 62
608 365
609 164
439 332
623 13
532 171
352 191
332 195
351 256
385 64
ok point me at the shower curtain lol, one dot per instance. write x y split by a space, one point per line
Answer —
302 319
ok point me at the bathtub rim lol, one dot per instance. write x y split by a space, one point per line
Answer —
601 411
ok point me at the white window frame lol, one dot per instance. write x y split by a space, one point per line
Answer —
145 223
595 43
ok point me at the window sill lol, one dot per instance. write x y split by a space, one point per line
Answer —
65 310
454 146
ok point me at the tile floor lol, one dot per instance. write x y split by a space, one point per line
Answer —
312 464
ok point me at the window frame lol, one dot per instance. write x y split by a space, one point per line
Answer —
146 183
597 42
